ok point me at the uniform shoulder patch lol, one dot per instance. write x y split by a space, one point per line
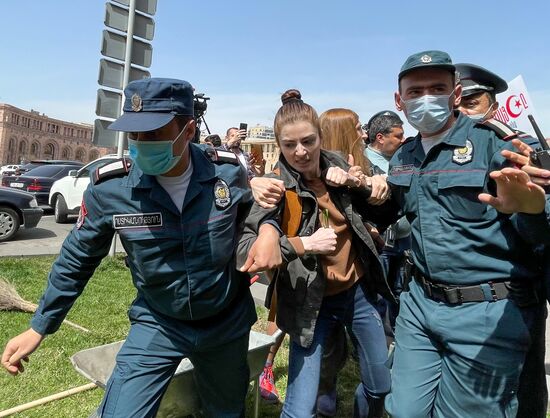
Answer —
503 131
117 168
219 156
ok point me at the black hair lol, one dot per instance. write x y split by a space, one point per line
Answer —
214 139
383 123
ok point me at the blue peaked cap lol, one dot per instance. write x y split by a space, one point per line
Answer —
151 103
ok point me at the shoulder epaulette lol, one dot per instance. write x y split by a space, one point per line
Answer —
502 130
221 157
117 168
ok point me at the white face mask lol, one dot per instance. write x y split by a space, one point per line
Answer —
428 113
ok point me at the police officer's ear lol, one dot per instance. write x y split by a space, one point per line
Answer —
458 95
379 138
189 132
493 112
397 98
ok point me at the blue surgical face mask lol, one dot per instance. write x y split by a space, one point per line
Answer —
154 157
480 117
428 113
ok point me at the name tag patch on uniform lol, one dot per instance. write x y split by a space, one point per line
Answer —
465 154
400 169
222 194
137 220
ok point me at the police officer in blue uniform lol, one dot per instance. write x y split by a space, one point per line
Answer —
479 89
463 327
177 210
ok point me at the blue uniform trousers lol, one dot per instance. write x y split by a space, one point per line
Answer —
154 348
351 308
532 392
457 361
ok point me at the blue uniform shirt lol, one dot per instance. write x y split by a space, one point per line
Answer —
183 265
456 239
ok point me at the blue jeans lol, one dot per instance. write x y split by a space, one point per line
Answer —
353 309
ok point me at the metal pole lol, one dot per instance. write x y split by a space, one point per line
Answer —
126 78
127 66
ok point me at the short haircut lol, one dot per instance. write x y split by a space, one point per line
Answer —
214 139
183 120
383 124
492 96
229 130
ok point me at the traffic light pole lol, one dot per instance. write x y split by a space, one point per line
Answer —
127 66
126 78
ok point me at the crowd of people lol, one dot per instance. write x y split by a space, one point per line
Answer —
429 254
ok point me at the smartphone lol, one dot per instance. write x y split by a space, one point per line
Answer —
243 126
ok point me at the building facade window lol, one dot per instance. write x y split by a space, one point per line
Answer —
80 154
49 151
66 154
22 154
35 150
93 155
12 151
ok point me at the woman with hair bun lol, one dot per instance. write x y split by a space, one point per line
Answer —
330 265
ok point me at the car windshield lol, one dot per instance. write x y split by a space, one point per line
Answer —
48 170
29 166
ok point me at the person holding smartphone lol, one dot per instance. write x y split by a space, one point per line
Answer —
233 138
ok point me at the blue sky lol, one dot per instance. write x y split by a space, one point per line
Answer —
244 54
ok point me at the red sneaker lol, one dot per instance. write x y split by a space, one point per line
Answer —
268 391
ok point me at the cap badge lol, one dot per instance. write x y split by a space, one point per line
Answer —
426 59
222 194
465 154
137 103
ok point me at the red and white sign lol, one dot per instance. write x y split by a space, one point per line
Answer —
514 106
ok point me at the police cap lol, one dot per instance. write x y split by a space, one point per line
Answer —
426 59
476 79
151 103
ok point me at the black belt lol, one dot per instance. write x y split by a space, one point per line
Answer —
456 295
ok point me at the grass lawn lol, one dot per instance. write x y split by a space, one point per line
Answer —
102 309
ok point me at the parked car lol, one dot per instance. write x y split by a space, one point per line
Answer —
17 208
8 170
39 180
36 163
66 193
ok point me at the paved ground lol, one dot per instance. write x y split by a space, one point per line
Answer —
48 236
45 238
